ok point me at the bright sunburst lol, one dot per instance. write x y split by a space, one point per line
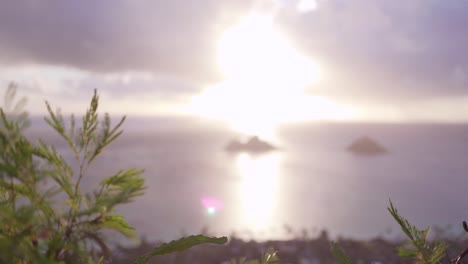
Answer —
264 81
254 51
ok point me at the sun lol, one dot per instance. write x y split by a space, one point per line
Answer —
255 51
264 81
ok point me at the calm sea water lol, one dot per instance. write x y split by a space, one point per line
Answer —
312 183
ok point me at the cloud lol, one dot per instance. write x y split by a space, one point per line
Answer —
370 51
70 89
115 35
381 49
135 85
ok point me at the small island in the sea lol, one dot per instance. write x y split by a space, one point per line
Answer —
253 145
366 146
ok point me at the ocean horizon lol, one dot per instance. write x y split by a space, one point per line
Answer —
311 183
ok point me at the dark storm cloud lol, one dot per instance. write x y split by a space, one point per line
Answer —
404 49
112 36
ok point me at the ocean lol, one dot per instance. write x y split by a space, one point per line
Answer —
311 183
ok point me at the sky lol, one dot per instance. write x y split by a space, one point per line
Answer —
242 61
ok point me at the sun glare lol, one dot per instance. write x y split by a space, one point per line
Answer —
258 189
304 6
254 51
264 81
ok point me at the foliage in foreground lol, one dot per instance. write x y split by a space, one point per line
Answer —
47 217
269 257
417 247
46 214
34 178
180 245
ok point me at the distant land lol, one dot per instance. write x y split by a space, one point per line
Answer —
253 145
366 146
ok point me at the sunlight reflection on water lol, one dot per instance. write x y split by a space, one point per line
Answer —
258 188
312 183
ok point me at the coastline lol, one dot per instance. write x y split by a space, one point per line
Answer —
304 251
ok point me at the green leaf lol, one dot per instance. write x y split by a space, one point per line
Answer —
108 135
141 260
438 252
120 188
181 245
406 227
124 179
404 252
118 223
35 226
339 254
186 243
14 110
429 254
270 257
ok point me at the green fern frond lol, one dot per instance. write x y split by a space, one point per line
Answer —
420 246
339 254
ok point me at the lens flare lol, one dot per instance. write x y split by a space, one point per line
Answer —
211 205
211 210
